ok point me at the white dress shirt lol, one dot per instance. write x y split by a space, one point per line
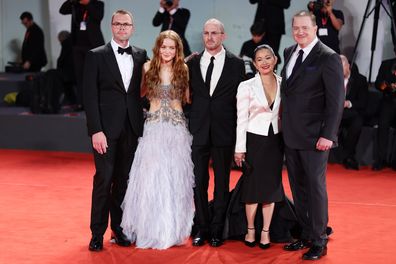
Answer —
125 64
254 114
293 58
218 65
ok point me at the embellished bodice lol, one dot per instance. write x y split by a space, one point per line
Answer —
166 113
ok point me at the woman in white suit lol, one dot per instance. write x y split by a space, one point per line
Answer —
259 143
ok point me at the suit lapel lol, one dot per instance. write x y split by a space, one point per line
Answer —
277 95
287 59
288 55
196 66
259 90
135 55
224 74
113 65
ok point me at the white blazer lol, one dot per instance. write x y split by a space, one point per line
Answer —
254 113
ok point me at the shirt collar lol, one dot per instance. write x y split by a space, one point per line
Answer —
308 48
115 45
207 55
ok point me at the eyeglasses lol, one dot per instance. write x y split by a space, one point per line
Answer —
213 33
119 25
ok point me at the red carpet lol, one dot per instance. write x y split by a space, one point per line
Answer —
45 207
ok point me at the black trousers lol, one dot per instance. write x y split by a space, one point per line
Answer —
307 177
386 119
221 157
110 180
352 121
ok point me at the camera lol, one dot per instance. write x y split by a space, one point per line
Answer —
317 5
169 3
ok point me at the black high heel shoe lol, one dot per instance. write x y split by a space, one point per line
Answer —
248 243
267 245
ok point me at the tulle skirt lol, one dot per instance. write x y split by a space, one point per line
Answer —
158 207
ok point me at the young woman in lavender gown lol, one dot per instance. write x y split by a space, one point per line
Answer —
158 207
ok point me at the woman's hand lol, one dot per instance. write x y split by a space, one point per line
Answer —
239 157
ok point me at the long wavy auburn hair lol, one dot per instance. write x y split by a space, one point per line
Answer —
179 79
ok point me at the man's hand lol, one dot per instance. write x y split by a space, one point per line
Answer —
99 142
163 4
26 65
324 144
84 2
239 157
393 86
327 8
347 104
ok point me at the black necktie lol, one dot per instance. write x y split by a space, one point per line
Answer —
209 73
127 50
298 62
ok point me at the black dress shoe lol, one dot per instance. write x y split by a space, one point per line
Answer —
350 164
96 243
216 242
199 239
120 239
329 230
315 252
297 245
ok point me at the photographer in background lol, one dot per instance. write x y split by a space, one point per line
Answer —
386 83
33 51
272 12
85 32
173 17
329 22
247 51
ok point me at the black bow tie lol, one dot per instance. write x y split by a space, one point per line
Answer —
126 50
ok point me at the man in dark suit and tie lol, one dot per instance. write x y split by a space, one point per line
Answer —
113 106
86 34
214 78
312 105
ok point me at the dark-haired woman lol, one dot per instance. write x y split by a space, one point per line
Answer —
259 143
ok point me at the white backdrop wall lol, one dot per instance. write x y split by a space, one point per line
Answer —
237 16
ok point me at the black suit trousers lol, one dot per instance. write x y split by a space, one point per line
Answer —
352 122
307 177
110 180
386 119
221 158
